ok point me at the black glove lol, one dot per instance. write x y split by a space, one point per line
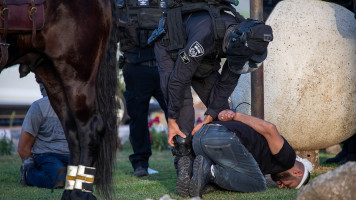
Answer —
182 146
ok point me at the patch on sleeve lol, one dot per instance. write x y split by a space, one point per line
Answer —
196 50
143 2
184 57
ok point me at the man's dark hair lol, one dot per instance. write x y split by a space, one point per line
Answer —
279 176
283 175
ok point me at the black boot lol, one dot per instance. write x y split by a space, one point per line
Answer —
184 175
140 171
201 176
351 157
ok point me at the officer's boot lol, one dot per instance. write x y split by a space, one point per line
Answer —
183 162
202 175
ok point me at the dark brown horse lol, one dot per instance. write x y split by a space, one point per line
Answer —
74 55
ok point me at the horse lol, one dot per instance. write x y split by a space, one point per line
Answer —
74 56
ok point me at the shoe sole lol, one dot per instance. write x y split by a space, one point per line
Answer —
184 174
195 184
141 174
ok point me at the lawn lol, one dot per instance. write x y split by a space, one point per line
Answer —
126 186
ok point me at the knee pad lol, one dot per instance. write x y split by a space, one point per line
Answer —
183 146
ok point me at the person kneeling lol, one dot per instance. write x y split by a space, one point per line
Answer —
236 152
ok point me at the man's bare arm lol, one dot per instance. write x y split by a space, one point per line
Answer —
26 142
267 129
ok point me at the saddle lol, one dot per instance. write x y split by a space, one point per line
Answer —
19 16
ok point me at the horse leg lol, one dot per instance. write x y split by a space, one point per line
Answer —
76 56
54 88
81 100
75 106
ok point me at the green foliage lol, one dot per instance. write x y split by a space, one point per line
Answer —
128 187
127 146
159 140
6 147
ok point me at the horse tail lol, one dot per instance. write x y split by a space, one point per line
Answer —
106 87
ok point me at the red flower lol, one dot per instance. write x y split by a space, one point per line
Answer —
199 120
150 123
156 119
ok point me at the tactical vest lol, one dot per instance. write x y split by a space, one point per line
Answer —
137 20
176 38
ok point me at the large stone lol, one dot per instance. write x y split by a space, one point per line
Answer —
241 97
336 184
310 73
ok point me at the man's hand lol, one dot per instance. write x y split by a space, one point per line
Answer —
173 130
207 119
226 115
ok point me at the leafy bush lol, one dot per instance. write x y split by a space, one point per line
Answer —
159 140
6 146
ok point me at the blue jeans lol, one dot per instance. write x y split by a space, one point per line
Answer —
44 173
235 168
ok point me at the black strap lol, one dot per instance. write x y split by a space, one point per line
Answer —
176 32
218 23
89 171
87 186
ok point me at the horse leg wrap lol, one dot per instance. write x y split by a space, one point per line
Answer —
85 178
71 176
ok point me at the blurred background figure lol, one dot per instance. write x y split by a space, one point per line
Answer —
42 147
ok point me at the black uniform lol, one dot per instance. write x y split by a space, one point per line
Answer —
140 72
196 65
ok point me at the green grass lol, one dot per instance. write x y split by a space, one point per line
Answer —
127 187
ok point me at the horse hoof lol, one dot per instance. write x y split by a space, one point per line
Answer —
66 195
80 195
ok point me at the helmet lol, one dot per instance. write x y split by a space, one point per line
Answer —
245 45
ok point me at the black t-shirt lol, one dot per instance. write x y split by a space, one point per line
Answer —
257 145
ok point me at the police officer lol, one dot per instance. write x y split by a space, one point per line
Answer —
137 20
196 63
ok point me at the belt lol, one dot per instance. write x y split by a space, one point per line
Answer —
149 63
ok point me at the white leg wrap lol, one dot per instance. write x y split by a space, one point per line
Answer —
85 178
70 178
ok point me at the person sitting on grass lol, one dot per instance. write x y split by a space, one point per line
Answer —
236 152
42 147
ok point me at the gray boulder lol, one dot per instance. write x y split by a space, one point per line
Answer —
338 184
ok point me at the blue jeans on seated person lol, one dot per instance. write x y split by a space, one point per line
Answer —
44 173
235 168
